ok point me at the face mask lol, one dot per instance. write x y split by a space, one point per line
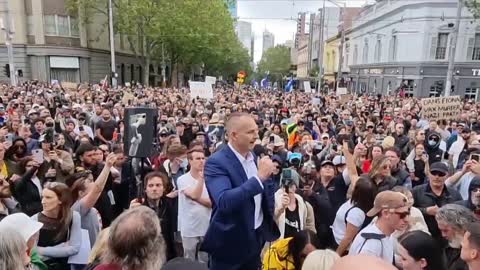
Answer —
184 163
432 143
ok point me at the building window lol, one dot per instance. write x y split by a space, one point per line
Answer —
56 25
63 27
365 53
355 54
30 25
441 46
347 54
378 51
436 89
50 25
471 93
393 48
476 48
74 30
409 88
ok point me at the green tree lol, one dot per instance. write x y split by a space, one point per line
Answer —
191 32
474 7
275 61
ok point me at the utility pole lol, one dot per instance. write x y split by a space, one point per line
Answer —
112 45
9 32
340 48
453 49
320 48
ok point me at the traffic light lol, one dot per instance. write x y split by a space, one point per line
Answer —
6 70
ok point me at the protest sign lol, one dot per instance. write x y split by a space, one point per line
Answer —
316 101
307 87
201 90
69 85
441 108
210 80
345 98
341 91
127 96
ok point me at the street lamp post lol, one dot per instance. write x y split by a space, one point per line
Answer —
453 49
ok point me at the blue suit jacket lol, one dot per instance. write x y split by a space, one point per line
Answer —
231 236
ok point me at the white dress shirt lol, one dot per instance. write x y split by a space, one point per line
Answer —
250 169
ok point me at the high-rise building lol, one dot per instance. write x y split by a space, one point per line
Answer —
244 34
300 28
268 40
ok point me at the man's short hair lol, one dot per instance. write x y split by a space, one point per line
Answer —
83 148
474 230
154 174
393 149
233 117
175 151
136 241
194 150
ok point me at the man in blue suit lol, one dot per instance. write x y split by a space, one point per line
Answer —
243 200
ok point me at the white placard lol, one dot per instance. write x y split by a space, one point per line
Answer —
210 80
306 86
201 90
341 91
316 101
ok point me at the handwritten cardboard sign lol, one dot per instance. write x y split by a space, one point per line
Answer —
441 108
69 85
201 90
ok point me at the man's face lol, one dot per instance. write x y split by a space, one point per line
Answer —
45 113
180 129
245 134
475 197
400 129
197 161
89 158
154 188
327 171
301 127
106 115
469 252
399 218
204 120
4 189
394 159
39 126
437 179
465 135
70 127
450 233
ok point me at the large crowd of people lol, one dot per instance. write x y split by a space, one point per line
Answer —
251 179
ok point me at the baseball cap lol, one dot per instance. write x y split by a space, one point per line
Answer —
327 162
22 224
163 131
387 200
439 167
325 135
32 111
293 156
278 141
339 160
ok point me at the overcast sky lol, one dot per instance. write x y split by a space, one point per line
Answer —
278 17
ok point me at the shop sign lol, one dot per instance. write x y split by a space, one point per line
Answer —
375 71
476 72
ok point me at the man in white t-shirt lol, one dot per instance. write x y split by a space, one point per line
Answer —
392 209
194 207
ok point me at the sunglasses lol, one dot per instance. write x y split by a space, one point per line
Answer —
386 167
441 174
370 127
403 215
163 135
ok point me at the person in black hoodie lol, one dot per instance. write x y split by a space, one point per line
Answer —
432 148
155 198
473 202
28 189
